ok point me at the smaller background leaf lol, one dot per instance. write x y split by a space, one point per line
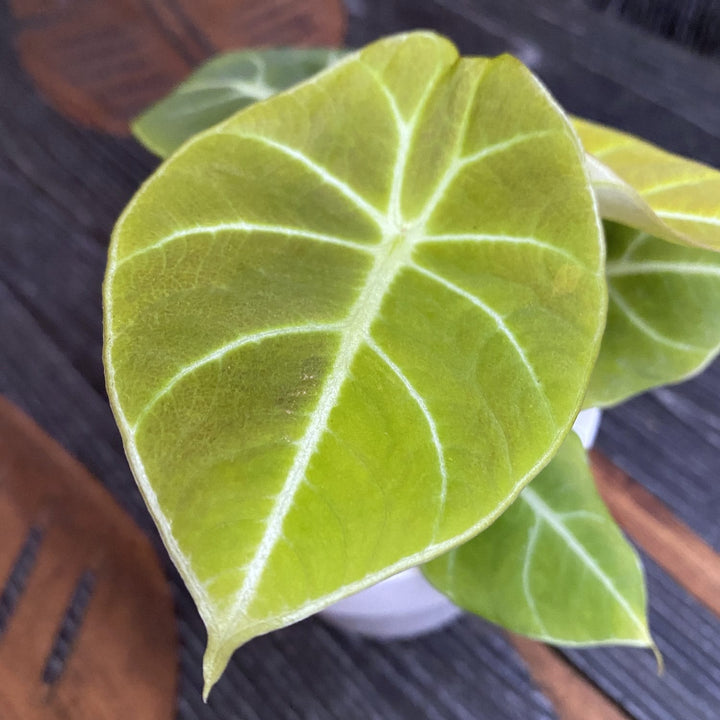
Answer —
663 325
645 187
554 566
222 86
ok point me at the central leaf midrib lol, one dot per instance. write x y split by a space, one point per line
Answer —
392 254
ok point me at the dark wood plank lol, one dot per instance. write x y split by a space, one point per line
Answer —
40 379
695 24
597 66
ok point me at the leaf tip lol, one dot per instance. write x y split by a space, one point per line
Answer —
206 691
215 661
659 659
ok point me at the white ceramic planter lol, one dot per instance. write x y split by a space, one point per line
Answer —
406 605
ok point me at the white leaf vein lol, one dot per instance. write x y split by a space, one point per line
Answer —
499 322
420 401
493 238
647 329
672 184
651 267
609 149
385 90
527 564
220 352
246 227
388 263
692 217
256 89
461 163
637 242
322 172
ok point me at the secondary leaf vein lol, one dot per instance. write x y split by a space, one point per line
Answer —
220 352
651 267
647 329
351 194
419 400
527 563
492 238
499 321
704 219
241 226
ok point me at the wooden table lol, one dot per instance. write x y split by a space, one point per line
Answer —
61 188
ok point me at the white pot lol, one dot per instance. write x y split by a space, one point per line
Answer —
406 605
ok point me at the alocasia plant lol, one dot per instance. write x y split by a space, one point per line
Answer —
347 325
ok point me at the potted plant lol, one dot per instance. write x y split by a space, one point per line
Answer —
348 330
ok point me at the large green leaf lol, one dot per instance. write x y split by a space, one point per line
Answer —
642 186
346 327
554 566
636 183
221 87
663 325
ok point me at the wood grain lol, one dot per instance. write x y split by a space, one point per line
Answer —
573 697
101 62
123 661
671 543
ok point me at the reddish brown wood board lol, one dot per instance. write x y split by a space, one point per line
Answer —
87 630
572 696
100 62
671 543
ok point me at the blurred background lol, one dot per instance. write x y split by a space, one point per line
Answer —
695 23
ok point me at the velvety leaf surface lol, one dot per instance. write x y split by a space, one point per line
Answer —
663 325
221 87
642 186
345 327
554 566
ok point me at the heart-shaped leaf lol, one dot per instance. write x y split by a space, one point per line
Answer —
663 325
554 566
221 87
345 327
647 188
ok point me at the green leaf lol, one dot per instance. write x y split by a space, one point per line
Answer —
345 327
554 566
663 325
647 188
221 87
